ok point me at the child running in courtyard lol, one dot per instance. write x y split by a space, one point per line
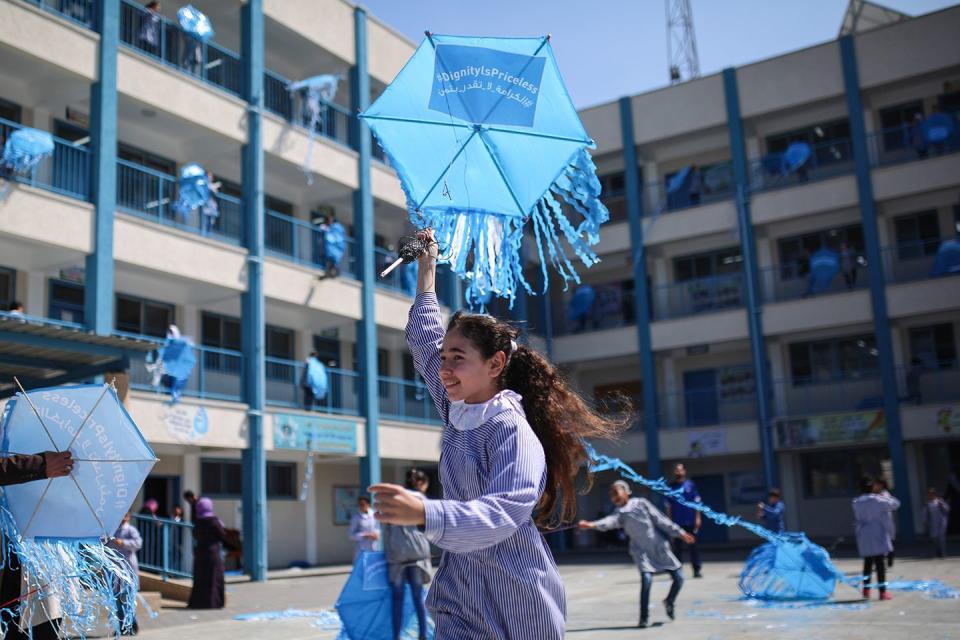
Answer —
510 452
871 512
650 534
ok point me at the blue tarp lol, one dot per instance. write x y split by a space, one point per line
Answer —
316 378
25 148
824 267
195 23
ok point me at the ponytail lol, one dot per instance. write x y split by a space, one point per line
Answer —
557 414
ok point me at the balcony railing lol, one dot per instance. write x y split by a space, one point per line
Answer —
285 388
706 186
167 546
702 295
911 261
906 144
82 12
613 307
165 41
217 374
825 395
793 280
706 407
928 383
301 242
66 172
405 400
152 195
334 122
827 159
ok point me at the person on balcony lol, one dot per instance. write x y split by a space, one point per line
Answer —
127 542
210 210
313 381
150 28
918 138
695 186
848 265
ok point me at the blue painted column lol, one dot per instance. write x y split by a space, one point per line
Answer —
252 301
547 323
641 298
363 230
878 291
748 249
453 291
98 302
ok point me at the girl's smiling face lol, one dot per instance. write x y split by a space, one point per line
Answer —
465 373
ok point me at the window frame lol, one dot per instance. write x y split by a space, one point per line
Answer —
11 273
833 348
942 360
847 462
143 303
811 242
923 243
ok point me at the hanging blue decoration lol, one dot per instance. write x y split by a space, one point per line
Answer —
194 189
317 378
178 358
25 149
460 124
408 278
334 242
365 604
796 156
195 23
678 180
947 260
318 92
718 178
581 302
824 267
55 527
479 295
938 128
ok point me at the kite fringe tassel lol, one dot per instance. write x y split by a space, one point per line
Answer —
485 248
82 582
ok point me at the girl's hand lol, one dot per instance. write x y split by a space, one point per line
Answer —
433 249
395 505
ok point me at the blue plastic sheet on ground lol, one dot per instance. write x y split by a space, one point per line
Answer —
321 618
794 569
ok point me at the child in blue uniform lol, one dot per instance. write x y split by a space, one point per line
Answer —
511 447
772 512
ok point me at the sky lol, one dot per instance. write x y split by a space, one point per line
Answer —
610 48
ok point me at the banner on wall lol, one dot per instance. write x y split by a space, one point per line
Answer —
317 434
186 423
835 428
707 443
747 487
948 419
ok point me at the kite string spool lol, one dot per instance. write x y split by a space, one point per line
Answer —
411 248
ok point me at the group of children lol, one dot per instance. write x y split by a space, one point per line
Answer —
510 452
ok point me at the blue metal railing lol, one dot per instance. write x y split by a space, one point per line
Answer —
40 320
82 12
334 122
910 261
905 143
285 388
712 185
700 295
929 382
405 400
709 406
302 242
167 546
165 41
217 374
827 159
613 307
860 391
152 195
66 172
792 280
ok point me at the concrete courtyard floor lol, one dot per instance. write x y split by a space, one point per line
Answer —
602 601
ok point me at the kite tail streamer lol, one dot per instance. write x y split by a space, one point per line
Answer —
82 582
484 248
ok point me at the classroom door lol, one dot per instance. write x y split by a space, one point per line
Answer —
713 493
700 393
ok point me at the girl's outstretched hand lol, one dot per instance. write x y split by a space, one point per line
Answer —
427 237
393 504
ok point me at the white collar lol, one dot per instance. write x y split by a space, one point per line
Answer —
464 417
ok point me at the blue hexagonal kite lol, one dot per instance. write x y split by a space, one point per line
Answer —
485 138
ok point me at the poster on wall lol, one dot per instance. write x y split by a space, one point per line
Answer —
186 423
834 428
948 419
707 443
344 504
747 487
309 433
735 383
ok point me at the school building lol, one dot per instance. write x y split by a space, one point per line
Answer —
701 314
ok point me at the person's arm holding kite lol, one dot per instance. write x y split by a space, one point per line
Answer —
20 468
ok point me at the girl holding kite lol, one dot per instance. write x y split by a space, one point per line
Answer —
510 451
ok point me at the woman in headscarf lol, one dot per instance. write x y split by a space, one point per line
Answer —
210 536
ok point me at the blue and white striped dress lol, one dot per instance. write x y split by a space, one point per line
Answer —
497 578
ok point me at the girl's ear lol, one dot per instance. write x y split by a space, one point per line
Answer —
497 362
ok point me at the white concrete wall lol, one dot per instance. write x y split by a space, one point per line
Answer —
164 423
808 199
68 46
813 313
787 81
712 328
38 217
679 109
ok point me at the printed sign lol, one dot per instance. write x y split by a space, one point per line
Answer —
344 503
948 419
834 428
186 422
707 443
486 86
308 433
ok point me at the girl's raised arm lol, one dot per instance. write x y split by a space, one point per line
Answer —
425 327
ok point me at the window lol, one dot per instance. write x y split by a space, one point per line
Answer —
934 346
146 159
66 301
8 278
830 142
328 350
896 123
279 345
795 251
281 479
220 332
221 478
918 234
383 368
143 317
835 359
837 474
707 265
10 111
